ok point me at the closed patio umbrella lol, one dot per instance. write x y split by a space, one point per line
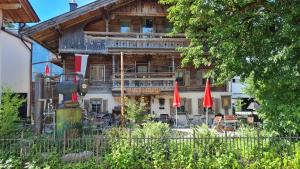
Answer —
207 101
176 100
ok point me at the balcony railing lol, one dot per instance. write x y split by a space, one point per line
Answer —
163 81
116 40
146 75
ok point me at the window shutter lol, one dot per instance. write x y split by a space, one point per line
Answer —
171 107
198 78
187 78
217 105
200 106
104 102
92 73
189 106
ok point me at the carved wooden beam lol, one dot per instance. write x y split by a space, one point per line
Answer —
105 14
7 6
59 31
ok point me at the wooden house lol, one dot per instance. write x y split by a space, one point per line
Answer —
139 28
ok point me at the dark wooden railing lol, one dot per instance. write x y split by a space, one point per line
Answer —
134 41
163 80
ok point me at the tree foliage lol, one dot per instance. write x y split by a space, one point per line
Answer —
136 110
258 40
9 110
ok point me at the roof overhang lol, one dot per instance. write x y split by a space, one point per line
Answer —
18 11
47 33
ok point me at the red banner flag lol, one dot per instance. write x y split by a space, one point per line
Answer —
77 69
47 70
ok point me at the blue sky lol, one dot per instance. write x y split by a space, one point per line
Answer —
47 9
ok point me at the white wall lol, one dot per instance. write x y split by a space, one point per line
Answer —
155 102
190 95
237 88
111 102
15 64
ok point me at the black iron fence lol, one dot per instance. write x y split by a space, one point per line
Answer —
98 146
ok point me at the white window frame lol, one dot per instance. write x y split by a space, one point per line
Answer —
129 22
97 65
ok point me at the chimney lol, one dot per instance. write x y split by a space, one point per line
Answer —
73 5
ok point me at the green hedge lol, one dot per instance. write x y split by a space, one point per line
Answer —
155 146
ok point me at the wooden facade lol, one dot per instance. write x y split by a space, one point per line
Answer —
161 72
140 29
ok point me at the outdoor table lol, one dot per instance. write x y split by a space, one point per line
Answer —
231 123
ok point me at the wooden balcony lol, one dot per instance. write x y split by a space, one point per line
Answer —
115 42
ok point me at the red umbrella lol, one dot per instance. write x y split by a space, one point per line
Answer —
207 101
47 70
176 99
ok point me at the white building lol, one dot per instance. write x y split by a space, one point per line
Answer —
16 51
237 88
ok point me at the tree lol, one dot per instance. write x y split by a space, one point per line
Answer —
258 40
9 110
136 111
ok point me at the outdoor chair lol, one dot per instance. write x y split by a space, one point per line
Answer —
189 119
196 120
250 120
164 118
217 124
230 122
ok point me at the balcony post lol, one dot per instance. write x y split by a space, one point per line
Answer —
173 64
106 25
149 66
113 65
122 90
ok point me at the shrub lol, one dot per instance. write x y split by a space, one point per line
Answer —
9 109
136 111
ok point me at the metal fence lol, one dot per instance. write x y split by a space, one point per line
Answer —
98 146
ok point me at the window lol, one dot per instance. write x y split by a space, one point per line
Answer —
148 26
142 67
186 106
180 77
97 73
96 105
182 108
168 27
125 27
161 103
